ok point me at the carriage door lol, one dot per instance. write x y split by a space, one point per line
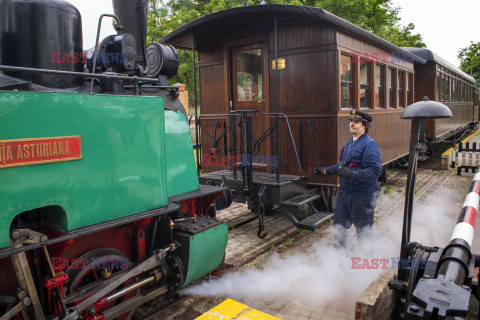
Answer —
249 86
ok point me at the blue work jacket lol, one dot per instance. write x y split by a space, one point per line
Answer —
364 159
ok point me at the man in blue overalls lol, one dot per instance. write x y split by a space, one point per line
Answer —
358 169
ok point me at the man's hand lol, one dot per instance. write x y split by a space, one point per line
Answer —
319 171
345 173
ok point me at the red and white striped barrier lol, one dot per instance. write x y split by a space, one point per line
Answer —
468 215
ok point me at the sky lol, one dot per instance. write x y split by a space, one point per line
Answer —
91 11
446 26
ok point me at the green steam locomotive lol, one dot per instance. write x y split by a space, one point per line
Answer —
101 208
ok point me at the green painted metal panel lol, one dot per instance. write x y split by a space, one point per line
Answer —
181 169
206 253
123 167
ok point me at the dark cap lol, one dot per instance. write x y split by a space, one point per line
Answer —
358 115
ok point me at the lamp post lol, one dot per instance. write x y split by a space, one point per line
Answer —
418 112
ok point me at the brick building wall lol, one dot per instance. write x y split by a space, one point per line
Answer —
183 97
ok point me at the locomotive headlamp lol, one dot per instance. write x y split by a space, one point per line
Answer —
163 60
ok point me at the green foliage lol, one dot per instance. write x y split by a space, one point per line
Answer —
376 16
387 189
470 60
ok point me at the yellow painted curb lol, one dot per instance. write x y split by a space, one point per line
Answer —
231 309
449 151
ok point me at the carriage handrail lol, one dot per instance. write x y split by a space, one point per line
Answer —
255 112
291 136
198 126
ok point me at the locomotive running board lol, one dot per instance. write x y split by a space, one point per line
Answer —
171 207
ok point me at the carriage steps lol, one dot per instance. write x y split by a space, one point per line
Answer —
311 222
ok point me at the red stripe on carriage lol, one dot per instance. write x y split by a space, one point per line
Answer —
353 165
470 216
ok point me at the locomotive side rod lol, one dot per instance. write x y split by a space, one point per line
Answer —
152 262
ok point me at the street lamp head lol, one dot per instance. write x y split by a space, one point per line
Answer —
427 109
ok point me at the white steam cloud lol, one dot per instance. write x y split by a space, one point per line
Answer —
325 276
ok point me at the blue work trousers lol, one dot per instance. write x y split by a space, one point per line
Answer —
357 209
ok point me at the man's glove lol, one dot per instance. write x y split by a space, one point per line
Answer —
319 171
345 173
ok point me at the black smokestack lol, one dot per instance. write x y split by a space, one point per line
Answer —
133 16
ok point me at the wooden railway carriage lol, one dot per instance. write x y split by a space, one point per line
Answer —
441 81
326 67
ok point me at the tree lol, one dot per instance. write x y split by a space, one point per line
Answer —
376 16
470 60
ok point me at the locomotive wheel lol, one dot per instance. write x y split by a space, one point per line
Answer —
94 267
7 301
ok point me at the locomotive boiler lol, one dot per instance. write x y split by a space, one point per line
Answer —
101 209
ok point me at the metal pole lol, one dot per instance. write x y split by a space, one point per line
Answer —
412 169
81 75
95 53
197 130
276 99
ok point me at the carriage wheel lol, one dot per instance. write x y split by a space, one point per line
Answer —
97 265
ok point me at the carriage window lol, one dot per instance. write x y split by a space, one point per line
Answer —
365 72
455 90
439 86
460 90
391 87
409 89
249 75
346 71
401 89
452 87
379 85
448 88
444 86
